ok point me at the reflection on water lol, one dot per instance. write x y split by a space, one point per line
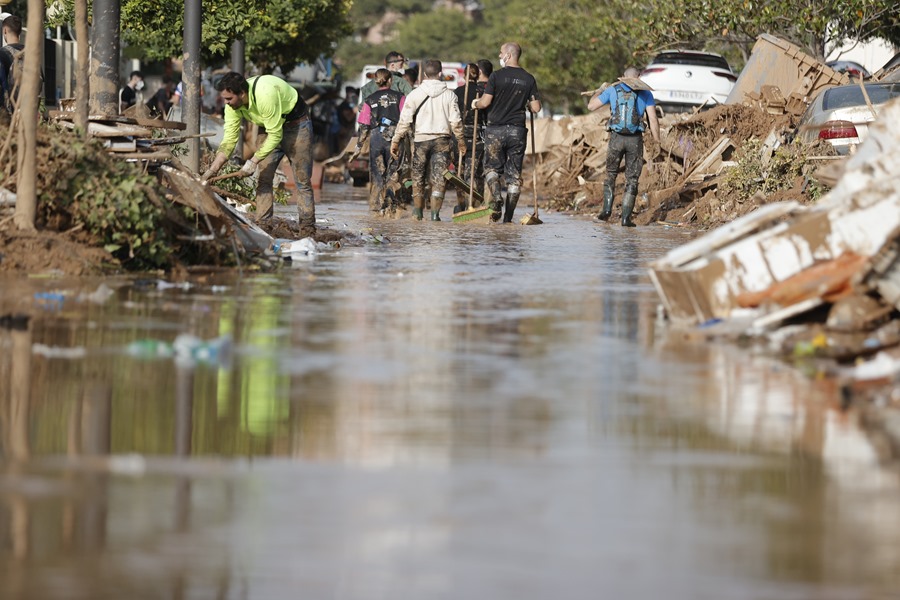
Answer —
463 411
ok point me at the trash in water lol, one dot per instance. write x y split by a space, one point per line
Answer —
58 351
98 296
146 348
305 249
50 300
187 350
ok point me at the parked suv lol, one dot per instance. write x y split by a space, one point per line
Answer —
684 79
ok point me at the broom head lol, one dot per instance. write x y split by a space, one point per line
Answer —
531 219
479 213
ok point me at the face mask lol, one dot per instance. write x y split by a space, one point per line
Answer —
502 62
139 86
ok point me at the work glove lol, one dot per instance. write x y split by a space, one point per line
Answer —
205 177
395 150
462 150
249 168
475 104
355 154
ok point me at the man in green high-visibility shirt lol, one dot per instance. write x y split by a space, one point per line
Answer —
272 103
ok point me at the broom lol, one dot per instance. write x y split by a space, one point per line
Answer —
482 212
533 218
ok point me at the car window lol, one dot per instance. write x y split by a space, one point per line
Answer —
850 95
701 60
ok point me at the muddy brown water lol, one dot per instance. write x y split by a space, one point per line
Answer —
441 411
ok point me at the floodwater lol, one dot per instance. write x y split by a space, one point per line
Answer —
439 411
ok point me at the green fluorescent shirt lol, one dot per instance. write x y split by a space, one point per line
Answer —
267 104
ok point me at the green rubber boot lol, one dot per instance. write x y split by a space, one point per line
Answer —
607 202
417 214
628 206
435 215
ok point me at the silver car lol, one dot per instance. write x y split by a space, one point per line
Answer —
841 115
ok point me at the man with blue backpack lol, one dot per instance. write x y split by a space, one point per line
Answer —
628 104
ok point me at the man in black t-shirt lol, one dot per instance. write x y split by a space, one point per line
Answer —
508 92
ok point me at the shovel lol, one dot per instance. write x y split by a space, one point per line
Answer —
533 218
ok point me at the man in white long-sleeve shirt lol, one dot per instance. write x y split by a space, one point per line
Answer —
435 111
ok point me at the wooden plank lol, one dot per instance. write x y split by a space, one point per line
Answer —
161 124
161 155
99 130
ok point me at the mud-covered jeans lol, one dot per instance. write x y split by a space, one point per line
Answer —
381 167
296 144
504 150
430 158
632 148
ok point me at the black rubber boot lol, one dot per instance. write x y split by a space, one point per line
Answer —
496 211
435 215
417 214
607 202
628 206
511 200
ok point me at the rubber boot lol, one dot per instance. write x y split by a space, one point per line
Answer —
496 211
628 206
607 202
436 203
492 184
418 206
512 199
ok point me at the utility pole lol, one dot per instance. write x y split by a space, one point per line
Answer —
190 102
105 57
238 65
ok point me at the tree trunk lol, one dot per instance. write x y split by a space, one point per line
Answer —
82 76
27 118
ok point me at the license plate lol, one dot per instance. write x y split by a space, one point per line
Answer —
686 95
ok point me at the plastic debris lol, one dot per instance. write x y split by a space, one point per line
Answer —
52 301
59 352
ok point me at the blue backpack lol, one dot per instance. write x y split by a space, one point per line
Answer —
624 117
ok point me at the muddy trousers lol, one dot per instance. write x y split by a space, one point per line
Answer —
381 168
631 148
430 160
504 150
296 145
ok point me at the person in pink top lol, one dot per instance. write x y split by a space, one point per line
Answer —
378 118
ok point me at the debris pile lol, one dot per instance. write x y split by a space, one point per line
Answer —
819 281
129 137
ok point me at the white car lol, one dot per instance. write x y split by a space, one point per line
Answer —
841 114
684 79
